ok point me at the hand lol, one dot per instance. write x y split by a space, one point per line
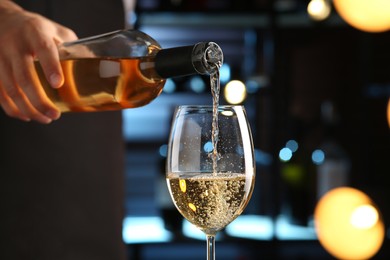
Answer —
25 37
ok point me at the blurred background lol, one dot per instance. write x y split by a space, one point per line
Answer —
316 87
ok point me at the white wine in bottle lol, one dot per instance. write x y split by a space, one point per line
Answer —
123 69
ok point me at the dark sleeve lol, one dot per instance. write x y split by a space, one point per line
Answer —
85 17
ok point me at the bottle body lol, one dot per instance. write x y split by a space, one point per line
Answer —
99 84
122 69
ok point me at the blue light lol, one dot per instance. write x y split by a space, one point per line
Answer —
208 147
263 157
252 86
292 145
224 73
318 156
192 231
286 231
169 86
285 154
144 230
197 84
252 226
131 17
163 150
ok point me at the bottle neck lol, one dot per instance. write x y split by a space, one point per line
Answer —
201 58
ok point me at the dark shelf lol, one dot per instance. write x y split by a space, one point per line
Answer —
233 20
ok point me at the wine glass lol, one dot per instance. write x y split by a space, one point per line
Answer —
210 166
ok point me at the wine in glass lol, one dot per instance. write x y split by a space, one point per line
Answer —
210 166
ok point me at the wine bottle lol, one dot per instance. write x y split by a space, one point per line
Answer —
123 69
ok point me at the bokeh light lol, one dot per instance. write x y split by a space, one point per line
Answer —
197 84
365 216
169 87
208 147
224 73
163 150
388 112
369 16
348 224
318 156
235 92
292 145
285 154
319 9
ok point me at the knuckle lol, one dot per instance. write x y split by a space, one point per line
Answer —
38 33
43 44
68 34
33 22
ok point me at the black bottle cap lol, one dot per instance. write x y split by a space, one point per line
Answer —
201 58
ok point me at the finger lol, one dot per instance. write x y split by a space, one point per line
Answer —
9 92
15 104
46 51
10 108
33 101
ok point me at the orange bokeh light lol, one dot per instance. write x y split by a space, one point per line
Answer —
369 16
348 224
388 112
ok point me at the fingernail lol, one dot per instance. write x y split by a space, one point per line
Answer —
53 114
47 121
55 80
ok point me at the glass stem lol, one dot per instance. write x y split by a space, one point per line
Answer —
210 247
